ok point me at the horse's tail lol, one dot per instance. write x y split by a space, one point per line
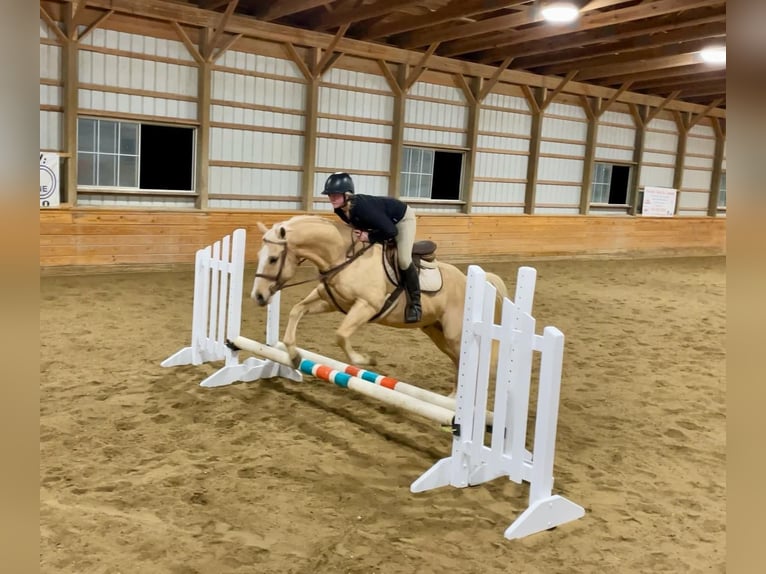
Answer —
497 283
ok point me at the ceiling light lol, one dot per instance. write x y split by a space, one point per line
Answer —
714 55
560 12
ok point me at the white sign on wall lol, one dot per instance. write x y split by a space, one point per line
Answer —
659 202
49 179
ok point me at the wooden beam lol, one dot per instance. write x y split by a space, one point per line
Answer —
252 28
420 67
678 169
653 114
219 29
397 131
226 46
295 57
451 11
284 8
463 85
54 27
558 89
323 63
637 67
71 83
472 136
95 24
358 11
613 98
587 21
715 178
586 186
704 113
195 53
393 83
310 107
533 159
487 88
639 139
571 43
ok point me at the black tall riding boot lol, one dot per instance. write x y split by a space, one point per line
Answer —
412 286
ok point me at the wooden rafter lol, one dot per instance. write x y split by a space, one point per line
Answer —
358 11
487 87
323 65
95 24
557 90
534 105
193 50
287 7
390 78
698 117
53 25
655 112
442 15
466 89
637 67
420 66
296 58
219 29
621 90
226 46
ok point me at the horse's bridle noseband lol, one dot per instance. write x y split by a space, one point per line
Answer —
278 283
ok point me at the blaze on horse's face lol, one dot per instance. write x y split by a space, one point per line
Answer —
276 264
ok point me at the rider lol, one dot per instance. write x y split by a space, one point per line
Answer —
378 220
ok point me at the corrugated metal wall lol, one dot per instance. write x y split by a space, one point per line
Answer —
51 93
256 132
659 158
257 121
694 195
355 115
559 171
502 146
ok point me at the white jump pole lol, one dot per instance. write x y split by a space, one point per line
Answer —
326 372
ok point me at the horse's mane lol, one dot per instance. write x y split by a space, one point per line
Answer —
320 224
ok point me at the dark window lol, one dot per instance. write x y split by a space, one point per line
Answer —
610 183
166 157
431 174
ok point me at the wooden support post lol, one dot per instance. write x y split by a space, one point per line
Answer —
71 82
590 152
311 106
682 121
204 73
640 116
715 178
472 137
534 99
397 130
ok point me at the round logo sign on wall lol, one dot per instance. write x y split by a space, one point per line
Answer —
48 183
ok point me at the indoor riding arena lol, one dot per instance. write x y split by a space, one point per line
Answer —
589 156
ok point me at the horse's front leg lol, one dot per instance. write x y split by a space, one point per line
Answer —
358 315
312 304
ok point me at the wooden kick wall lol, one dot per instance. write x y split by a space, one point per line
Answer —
81 238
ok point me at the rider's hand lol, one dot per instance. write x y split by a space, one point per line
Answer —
362 236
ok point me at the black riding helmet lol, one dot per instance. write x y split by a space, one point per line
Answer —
339 182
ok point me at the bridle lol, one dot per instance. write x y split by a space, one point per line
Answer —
323 276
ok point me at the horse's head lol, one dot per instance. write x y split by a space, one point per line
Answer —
276 263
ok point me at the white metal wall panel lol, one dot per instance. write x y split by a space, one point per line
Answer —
254 146
556 169
500 143
352 155
696 179
367 184
251 117
561 148
133 104
499 165
51 95
51 131
437 114
661 141
568 110
260 64
558 128
694 194
350 128
334 101
505 209
254 181
498 192
260 91
138 44
656 176
45 31
356 79
497 121
546 193
610 135
723 164
50 62
509 102
543 210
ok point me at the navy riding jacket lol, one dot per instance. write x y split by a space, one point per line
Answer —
377 216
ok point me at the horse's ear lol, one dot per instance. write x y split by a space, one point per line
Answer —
262 228
282 232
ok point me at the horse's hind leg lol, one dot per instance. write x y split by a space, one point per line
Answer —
311 305
358 315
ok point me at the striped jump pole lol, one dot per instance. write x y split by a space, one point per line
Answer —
384 394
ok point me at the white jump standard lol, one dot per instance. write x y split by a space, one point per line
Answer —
215 337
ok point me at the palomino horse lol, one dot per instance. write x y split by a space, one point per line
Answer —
353 279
